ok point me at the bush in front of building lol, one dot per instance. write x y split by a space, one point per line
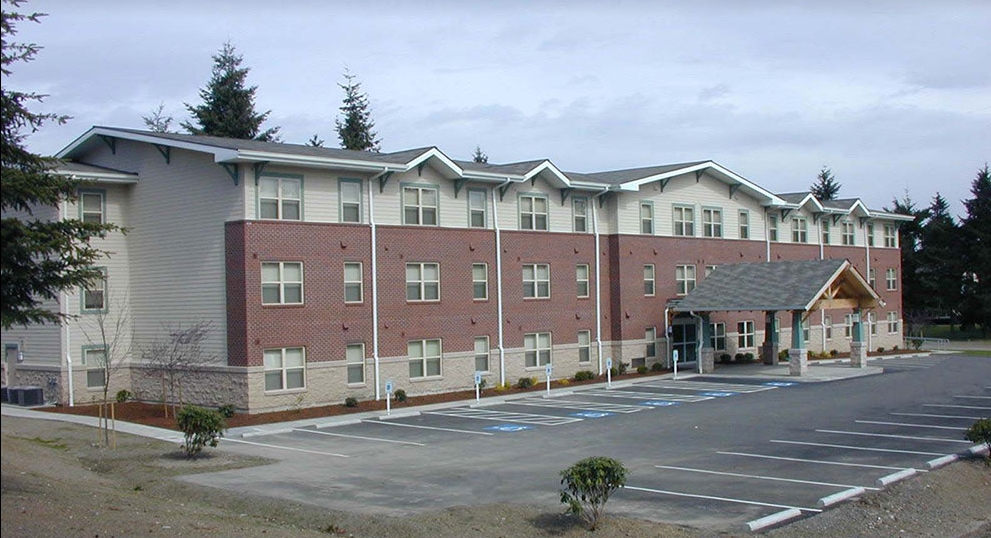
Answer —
656 367
588 485
200 427
227 410
980 432
584 375
524 383
350 401
642 369
400 395
124 395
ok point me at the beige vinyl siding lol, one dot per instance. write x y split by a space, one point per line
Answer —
41 344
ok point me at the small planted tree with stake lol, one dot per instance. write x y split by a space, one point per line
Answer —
588 485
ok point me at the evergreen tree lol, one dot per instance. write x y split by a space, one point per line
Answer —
228 107
315 141
825 187
479 156
940 266
976 228
356 129
40 257
158 121
910 239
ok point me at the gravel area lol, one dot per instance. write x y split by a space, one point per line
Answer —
57 481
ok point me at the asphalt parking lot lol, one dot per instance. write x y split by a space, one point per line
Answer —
720 452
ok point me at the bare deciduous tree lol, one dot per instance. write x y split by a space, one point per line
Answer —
107 332
176 355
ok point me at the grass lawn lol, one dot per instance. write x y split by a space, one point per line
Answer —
953 332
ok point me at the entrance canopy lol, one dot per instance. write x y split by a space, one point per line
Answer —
781 286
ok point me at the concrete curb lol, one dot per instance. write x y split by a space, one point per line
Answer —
399 415
895 477
844 495
978 450
939 462
773 519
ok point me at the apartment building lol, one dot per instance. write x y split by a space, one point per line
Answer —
325 273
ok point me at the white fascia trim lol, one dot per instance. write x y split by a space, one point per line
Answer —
100 177
815 202
863 208
548 166
306 160
770 198
219 154
434 153
876 214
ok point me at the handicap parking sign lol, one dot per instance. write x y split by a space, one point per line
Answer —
591 414
659 403
509 428
718 394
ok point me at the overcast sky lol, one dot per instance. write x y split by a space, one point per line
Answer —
892 96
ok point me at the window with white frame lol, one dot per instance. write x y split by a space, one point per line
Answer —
745 334
536 349
848 326
95 360
477 208
744 222
354 357
891 278
584 346
424 358
717 338
92 207
806 330
285 369
533 212
280 198
708 270
579 210
353 283
422 281
649 280
870 234
282 283
650 335
646 218
479 281
684 221
872 323
712 222
848 233
420 205
890 236
828 324
94 294
350 192
684 278
799 230
772 228
481 353
536 281
872 277
824 226
892 318
581 278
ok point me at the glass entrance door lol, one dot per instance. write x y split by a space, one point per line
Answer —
684 339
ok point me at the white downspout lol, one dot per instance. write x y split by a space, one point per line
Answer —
822 248
870 315
698 338
375 297
64 310
667 333
767 236
598 282
498 245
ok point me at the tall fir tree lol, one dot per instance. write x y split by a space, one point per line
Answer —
158 121
41 256
479 156
940 265
910 241
228 107
356 130
825 187
976 230
315 141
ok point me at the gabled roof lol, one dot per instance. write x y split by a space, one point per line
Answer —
780 286
632 179
798 200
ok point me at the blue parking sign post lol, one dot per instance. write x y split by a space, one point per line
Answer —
609 373
547 370
674 357
388 397
478 385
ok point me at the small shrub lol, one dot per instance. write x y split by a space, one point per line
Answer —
642 370
783 354
227 410
749 357
350 401
917 343
622 367
483 383
880 350
200 427
894 348
124 395
584 375
656 367
564 381
588 485
738 357
725 358
400 395
524 383
980 432
502 387
833 353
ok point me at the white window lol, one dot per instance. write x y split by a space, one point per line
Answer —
285 369
828 323
537 349
684 277
649 280
479 281
872 277
579 209
584 346
95 359
806 330
424 358
799 230
354 357
282 283
744 225
824 226
94 294
477 208
891 278
892 322
350 200
848 234
872 323
684 221
647 218
745 334
890 236
718 338
353 283
712 222
848 326
772 228
870 234
581 277
422 282
481 353
650 335
536 281
419 205
91 207
280 198
533 212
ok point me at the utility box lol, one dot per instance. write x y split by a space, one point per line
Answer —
26 396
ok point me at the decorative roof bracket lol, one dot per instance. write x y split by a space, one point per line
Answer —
503 190
733 189
785 212
458 185
383 180
166 152
836 218
698 175
111 143
231 169
419 169
664 183
259 170
565 192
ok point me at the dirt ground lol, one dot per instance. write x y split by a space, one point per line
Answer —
57 481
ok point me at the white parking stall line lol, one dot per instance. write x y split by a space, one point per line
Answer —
452 430
892 436
504 416
929 415
973 397
864 448
724 499
802 460
587 406
359 437
758 477
958 406
705 385
933 426
291 449
633 395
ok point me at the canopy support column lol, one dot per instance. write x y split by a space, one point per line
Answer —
770 347
858 348
798 359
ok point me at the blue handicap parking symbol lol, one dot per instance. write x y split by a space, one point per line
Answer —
659 403
718 394
778 384
509 428
591 414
